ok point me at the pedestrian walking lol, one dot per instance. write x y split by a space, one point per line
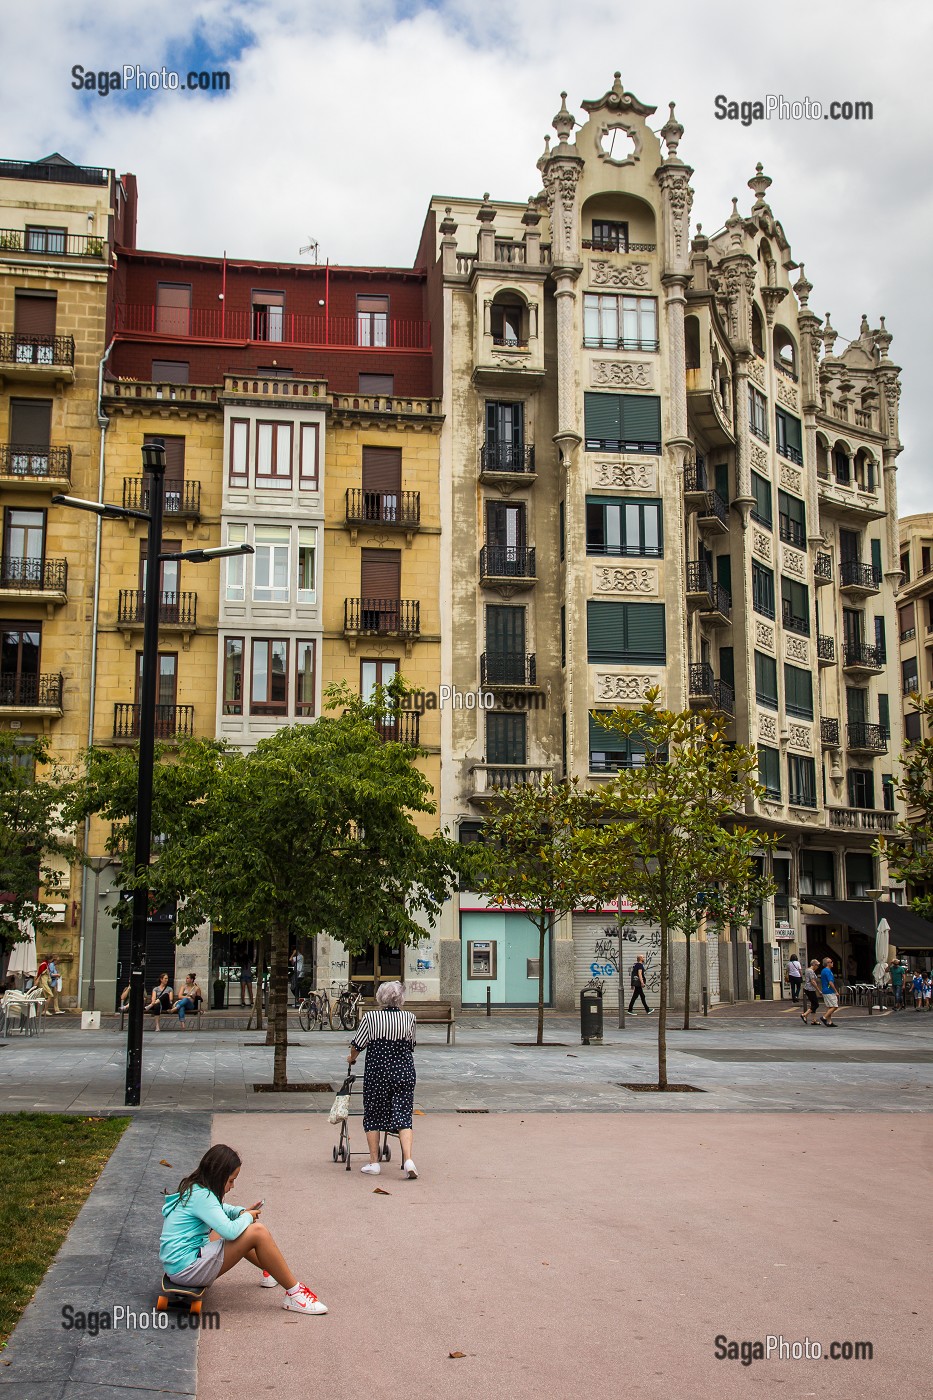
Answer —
637 982
898 974
296 967
246 982
811 991
830 996
916 987
794 975
387 1034
202 1238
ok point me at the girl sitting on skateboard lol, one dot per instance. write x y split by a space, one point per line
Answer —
202 1238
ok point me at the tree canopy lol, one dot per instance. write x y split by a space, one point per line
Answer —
36 850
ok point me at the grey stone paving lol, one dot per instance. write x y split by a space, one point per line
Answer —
771 1063
110 1259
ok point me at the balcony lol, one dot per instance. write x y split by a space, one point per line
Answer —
860 658
42 580
39 696
387 510
713 600
491 780
829 733
67 174
910 685
403 728
793 454
43 243
848 503
366 331
860 819
505 464
707 693
37 359
825 650
866 738
382 617
508 670
617 243
823 569
793 623
712 511
792 532
857 579
178 612
181 499
171 722
509 566
30 466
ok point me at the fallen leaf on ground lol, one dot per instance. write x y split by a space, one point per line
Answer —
419 1112
163 1163
378 1191
545 1263
454 1355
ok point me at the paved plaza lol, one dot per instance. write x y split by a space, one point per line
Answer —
576 1237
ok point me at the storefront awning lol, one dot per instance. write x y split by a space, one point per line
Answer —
908 931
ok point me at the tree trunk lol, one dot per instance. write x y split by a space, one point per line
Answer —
542 934
662 1008
687 985
270 1003
279 998
260 981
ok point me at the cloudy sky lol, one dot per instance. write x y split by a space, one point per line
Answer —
343 118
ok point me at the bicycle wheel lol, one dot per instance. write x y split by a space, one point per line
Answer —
305 1015
324 1012
346 1012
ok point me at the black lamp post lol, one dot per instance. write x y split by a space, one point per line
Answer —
154 467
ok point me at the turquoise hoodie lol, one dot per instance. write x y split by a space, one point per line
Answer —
188 1225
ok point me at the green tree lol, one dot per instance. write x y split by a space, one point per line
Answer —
36 849
532 857
909 850
671 838
312 831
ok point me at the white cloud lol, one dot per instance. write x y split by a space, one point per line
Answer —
345 117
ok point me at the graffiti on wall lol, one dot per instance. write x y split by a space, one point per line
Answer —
608 950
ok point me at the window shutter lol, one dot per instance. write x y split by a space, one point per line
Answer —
876 560
856 708
602 414
605 631
640 418
30 422
505 631
35 315
724 571
766 678
884 714
727 665
798 691
382 469
381 573
505 737
645 631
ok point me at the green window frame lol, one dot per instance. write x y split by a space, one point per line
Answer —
792 518
798 692
757 413
762 589
763 509
788 436
608 751
622 423
769 771
801 780
766 692
625 633
627 528
795 606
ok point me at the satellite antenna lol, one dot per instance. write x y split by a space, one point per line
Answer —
310 247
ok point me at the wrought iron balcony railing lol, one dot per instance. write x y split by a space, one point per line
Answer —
507 457
180 497
854 574
867 737
171 721
507 668
793 623
823 568
52 243
507 561
792 531
180 609
32 692
396 617
826 648
829 732
52 350
392 508
403 727
34 575
34 462
861 654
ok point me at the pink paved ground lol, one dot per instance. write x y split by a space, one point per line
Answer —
573 1255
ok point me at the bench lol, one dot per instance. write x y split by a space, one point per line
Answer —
194 1014
426 1013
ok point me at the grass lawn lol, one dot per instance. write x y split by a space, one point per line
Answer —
48 1164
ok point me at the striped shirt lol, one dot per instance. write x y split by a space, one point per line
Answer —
387 1023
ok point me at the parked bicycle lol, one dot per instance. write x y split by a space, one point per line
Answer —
316 1010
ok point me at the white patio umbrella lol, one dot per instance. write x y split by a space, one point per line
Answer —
23 960
881 951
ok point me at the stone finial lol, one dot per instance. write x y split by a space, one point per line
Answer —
671 134
734 221
545 155
758 184
802 287
829 336
883 338
447 226
486 213
699 244
563 122
531 217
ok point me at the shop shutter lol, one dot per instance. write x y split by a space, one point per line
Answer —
380 573
596 955
30 422
382 469
35 315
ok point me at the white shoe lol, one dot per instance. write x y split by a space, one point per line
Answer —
371 1168
411 1169
267 1281
304 1301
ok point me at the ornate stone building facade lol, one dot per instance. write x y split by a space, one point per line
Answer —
656 471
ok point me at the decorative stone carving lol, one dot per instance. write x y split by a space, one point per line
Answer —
759 458
800 736
756 371
675 182
787 393
733 277
626 475
797 649
767 727
621 374
764 635
761 544
794 563
636 275
617 578
791 480
620 689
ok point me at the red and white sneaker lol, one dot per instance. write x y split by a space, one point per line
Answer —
267 1281
304 1301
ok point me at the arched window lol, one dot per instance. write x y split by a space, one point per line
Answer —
509 320
785 350
758 334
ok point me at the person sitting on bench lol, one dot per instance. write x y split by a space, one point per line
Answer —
189 998
161 1000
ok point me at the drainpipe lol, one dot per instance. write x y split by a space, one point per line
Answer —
103 422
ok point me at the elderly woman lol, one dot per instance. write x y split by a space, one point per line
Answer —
387 1034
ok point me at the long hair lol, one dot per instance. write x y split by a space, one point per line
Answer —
212 1172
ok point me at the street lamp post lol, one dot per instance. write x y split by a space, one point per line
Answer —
97 864
153 454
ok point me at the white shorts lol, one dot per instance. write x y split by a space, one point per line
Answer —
205 1268
830 1001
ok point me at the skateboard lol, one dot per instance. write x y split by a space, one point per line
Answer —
177 1295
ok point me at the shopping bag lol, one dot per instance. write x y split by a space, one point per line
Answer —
340 1109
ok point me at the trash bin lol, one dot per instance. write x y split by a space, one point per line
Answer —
591 1016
